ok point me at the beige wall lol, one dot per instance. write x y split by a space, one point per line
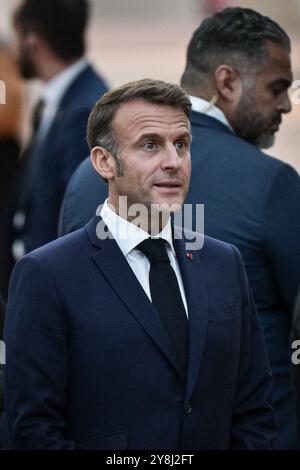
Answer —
143 9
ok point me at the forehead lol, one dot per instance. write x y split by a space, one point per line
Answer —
278 64
139 116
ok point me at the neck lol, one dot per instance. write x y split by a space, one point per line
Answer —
148 219
50 68
215 101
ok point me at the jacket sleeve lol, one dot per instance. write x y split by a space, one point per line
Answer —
282 231
254 424
36 371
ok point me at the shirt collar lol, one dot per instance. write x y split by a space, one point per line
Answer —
57 86
129 235
202 106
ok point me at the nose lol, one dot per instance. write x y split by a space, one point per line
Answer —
171 159
285 105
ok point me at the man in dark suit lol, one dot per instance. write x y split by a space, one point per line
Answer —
117 336
238 73
240 61
51 47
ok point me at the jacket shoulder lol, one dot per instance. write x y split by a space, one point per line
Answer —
86 89
69 248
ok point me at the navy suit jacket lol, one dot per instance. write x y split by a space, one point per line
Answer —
252 201
52 163
79 204
90 365
296 367
2 315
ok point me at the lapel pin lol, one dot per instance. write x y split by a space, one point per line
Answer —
189 255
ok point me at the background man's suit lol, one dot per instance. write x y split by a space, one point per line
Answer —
3 425
252 201
90 365
295 336
2 314
53 161
79 204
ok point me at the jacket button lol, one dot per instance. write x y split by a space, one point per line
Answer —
188 409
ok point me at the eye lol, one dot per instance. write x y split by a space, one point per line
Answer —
180 145
149 145
276 91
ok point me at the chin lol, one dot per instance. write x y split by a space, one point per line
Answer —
266 141
169 206
27 74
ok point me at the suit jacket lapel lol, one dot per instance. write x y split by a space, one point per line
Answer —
194 285
116 270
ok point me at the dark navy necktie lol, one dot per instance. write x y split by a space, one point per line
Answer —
29 164
37 115
36 119
166 296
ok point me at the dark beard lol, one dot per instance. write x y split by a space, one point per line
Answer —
250 125
26 66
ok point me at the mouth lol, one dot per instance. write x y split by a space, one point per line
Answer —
168 187
275 125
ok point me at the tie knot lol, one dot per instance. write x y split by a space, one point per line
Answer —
155 249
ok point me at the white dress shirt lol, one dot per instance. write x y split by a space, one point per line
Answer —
128 236
53 94
202 106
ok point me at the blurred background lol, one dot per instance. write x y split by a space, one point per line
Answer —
132 39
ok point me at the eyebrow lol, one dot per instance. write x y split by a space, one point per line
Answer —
186 134
153 135
150 135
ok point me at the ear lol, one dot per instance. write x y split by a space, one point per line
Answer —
33 42
228 83
103 162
